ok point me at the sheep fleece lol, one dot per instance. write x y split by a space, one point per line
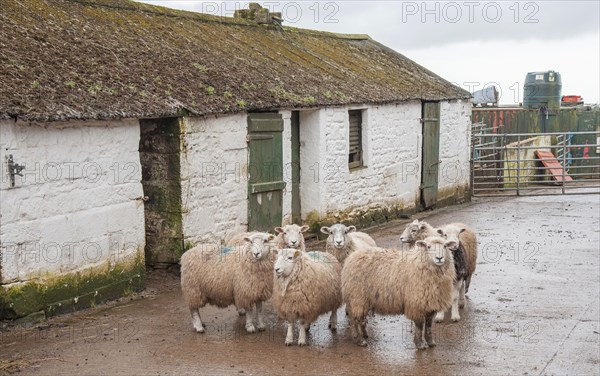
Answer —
212 277
390 281
313 288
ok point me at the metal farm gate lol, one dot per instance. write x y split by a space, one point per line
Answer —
533 163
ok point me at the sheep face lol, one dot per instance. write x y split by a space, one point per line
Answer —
436 249
451 233
260 245
338 234
286 259
292 234
412 231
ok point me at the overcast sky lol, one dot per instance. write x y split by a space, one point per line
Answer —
471 43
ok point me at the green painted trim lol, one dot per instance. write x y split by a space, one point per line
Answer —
295 160
264 124
267 187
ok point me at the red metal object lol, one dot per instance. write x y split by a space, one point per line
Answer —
571 100
556 169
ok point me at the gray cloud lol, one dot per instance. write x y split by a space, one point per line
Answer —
419 24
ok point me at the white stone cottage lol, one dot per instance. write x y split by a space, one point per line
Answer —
129 132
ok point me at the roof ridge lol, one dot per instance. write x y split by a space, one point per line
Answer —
187 14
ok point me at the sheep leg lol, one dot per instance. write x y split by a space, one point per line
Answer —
197 321
363 328
462 302
357 329
259 316
439 316
428 333
333 320
289 338
455 294
250 321
302 333
418 336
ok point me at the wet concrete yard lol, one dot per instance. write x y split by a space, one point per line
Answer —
533 308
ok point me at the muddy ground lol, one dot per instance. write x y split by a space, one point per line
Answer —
533 309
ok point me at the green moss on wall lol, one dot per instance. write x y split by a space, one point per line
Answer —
69 292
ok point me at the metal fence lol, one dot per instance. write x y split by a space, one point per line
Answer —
533 163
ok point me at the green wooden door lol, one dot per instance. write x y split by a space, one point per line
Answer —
265 171
295 166
431 154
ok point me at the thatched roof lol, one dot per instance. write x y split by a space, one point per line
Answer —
101 59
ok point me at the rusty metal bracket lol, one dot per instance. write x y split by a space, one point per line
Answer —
13 169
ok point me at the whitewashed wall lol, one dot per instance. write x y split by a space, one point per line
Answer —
287 166
455 144
214 164
78 204
214 185
392 147
312 151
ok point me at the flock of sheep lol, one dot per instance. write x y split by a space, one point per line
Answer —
427 276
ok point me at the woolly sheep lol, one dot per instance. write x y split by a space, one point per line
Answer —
342 240
290 236
236 241
416 282
417 230
242 276
305 286
466 239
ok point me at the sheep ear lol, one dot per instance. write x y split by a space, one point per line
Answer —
421 243
451 244
422 226
296 253
350 229
415 222
271 236
440 231
279 230
461 230
247 238
325 230
275 251
304 228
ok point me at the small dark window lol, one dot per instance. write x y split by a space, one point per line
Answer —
355 154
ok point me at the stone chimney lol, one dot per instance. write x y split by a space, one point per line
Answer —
259 15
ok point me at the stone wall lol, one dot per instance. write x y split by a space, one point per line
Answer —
72 227
384 188
387 186
214 185
455 152
159 157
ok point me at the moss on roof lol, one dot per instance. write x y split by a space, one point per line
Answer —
101 59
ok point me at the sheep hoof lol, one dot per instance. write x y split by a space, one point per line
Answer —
455 319
250 329
362 343
261 328
242 312
422 346
199 330
461 304
289 342
301 343
431 343
438 318
333 327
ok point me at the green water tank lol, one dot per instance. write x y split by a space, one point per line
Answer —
542 89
